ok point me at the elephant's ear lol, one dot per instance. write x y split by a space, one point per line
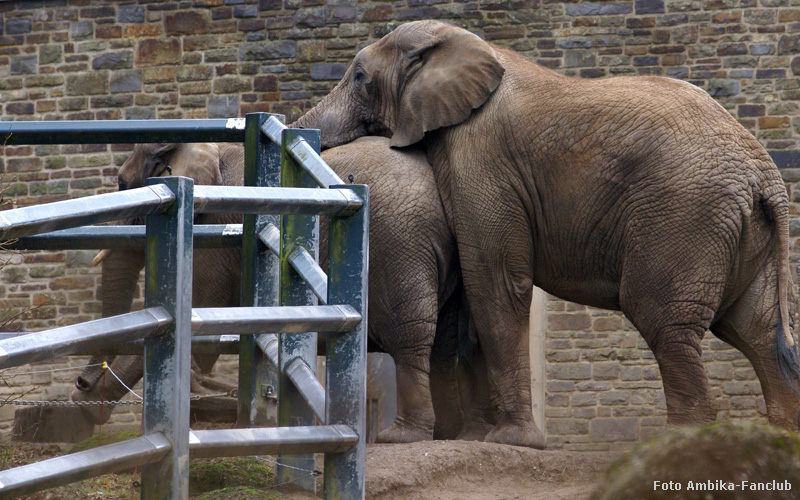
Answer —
450 72
200 161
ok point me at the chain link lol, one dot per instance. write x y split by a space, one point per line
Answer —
24 402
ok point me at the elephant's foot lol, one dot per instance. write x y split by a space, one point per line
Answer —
474 431
404 433
518 433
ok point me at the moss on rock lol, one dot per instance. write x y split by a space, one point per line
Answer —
217 473
102 440
240 493
701 459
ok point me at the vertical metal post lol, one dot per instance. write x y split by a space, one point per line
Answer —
345 376
296 230
257 376
167 358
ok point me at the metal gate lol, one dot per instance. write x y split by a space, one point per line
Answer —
281 285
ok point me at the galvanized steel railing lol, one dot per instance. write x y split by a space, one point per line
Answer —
281 286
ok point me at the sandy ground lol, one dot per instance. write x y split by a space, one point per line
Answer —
461 470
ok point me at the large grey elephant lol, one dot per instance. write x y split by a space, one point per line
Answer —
414 281
638 194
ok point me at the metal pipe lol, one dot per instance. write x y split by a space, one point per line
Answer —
271 441
73 339
302 262
263 200
67 469
308 159
308 386
84 211
277 319
124 237
121 131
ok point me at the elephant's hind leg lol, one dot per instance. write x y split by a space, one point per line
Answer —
672 304
751 325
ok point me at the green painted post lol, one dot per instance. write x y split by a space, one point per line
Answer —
257 376
296 230
167 358
346 370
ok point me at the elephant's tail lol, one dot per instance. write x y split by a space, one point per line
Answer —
776 206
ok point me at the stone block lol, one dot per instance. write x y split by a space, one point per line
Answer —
340 11
614 429
156 52
18 26
568 322
126 81
141 30
597 9
721 87
579 58
130 14
649 7
50 54
605 371
245 11
187 23
584 399
557 399
140 113
260 51
81 30
570 371
193 73
567 426
114 60
310 17
226 106
21 65
266 83
20 108
328 71
232 84
611 398
95 82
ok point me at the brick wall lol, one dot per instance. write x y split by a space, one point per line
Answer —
80 60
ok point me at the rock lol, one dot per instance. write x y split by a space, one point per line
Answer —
739 454
50 424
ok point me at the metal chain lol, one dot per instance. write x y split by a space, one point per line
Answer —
24 402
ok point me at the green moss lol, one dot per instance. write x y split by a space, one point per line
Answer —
216 473
724 451
102 440
240 493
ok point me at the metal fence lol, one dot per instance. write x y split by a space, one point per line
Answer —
281 285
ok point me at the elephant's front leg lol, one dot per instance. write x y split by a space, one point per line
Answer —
497 266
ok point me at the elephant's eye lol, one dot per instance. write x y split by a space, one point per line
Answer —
359 77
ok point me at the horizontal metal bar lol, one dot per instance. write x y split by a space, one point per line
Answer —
275 200
271 441
282 319
301 150
67 469
301 261
84 211
72 339
309 387
122 237
122 131
212 344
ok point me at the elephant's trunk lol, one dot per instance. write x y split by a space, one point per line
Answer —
121 269
336 123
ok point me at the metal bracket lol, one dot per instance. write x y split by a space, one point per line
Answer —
268 392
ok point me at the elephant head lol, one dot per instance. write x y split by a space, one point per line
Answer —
421 77
121 268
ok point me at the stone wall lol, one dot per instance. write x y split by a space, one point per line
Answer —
79 60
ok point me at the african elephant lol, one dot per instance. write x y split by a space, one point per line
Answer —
414 280
217 285
639 194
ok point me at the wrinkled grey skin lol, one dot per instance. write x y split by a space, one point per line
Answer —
639 194
414 280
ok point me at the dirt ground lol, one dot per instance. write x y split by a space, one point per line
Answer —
439 470
464 470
